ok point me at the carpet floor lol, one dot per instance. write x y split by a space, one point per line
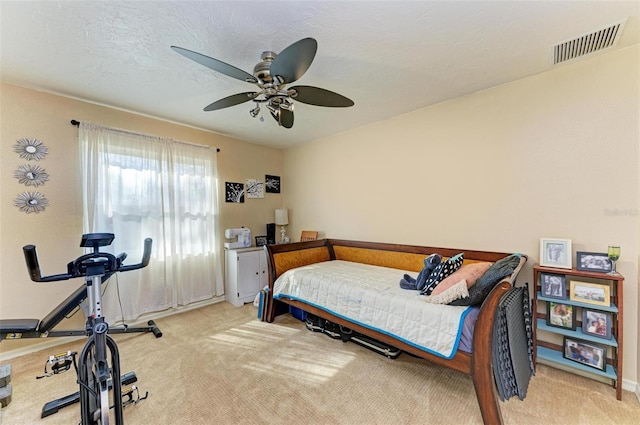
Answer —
219 364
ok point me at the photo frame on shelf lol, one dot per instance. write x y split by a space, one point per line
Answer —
597 323
561 315
555 253
553 286
261 240
590 293
593 262
587 353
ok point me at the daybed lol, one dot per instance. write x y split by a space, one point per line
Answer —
477 362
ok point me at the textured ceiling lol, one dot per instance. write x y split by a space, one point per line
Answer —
389 57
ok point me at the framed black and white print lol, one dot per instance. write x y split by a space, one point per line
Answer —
593 262
596 323
555 253
272 184
234 192
255 188
553 285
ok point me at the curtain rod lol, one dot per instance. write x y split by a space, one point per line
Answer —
77 124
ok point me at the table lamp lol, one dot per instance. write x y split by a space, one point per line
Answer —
282 219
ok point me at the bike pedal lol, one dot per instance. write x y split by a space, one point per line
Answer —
58 363
131 395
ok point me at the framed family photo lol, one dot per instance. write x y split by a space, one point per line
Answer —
555 253
590 293
561 316
596 323
588 353
593 262
553 285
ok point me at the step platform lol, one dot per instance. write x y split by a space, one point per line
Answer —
335 331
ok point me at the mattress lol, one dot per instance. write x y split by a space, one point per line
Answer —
371 297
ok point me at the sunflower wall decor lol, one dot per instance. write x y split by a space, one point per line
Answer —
31 175
30 149
31 202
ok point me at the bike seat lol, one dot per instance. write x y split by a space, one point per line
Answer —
18 325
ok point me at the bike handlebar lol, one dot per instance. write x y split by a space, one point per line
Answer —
78 267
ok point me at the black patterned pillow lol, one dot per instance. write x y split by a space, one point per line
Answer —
442 271
498 271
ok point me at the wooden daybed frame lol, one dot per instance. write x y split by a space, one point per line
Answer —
406 257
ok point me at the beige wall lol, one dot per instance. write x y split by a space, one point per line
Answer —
56 231
553 155
495 170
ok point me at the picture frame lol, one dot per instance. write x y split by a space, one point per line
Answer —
590 293
555 253
272 183
234 192
593 262
553 285
561 315
261 240
587 353
597 323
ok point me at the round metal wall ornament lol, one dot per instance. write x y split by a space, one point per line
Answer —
30 149
31 175
31 202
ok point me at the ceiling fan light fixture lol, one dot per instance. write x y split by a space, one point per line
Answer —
288 106
275 113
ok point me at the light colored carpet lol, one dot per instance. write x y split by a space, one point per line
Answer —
218 364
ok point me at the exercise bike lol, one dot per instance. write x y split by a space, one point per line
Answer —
97 372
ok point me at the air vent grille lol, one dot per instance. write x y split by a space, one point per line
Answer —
586 44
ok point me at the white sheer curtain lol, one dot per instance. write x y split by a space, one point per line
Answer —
139 186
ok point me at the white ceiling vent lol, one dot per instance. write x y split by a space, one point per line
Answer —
587 43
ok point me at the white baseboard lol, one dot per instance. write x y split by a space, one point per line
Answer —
638 392
632 386
48 343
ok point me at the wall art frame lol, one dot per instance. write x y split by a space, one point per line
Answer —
234 192
272 183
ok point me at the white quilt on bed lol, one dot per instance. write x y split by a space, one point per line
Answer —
371 296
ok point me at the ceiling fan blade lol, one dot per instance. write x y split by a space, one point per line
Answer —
286 118
232 100
294 61
216 65
320 97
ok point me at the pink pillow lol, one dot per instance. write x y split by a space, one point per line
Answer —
469 272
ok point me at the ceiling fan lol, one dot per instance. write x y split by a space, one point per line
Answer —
271 75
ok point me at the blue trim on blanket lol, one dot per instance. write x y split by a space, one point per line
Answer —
382 331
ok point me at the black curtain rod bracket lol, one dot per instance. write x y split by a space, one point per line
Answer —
77 124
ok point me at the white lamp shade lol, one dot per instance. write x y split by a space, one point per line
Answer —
282 217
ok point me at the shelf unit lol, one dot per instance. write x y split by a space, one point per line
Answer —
552 353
